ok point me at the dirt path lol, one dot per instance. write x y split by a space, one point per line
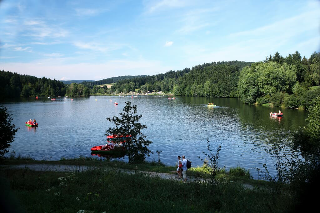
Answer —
78 168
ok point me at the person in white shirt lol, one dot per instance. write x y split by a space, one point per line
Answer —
179 169
184 168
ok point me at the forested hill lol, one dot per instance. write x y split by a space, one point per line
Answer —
292 81
218 79
111 80
14 85
76 81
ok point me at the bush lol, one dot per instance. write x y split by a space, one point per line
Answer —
239 172
7 131
277 99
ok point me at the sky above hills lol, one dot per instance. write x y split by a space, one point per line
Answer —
64 40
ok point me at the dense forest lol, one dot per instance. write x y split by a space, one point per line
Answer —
216 79
290 82
111 80
211 80
14 85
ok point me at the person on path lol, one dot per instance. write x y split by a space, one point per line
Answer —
184 168
179 169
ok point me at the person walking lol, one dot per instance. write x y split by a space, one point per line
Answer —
184 168
179 169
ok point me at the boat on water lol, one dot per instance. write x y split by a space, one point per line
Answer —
115 146
211 105
108 149
276 115
31 124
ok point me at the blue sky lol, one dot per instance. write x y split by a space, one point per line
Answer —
93 40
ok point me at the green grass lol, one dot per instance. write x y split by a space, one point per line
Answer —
87 161
100 190
270 105
113 191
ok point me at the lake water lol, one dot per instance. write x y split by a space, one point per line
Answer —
69 128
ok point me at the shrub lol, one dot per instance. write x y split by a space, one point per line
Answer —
7 131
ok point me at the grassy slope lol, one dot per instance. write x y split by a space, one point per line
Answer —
113 191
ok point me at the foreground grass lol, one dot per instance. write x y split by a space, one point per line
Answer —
237 174
98 190
85 161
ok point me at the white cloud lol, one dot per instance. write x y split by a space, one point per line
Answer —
197 19
40 29
7 45
32 22
21 49
168 43
86 12
54 55
91 46
164 4
10 21
287 27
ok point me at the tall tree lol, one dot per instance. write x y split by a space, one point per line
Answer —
128 124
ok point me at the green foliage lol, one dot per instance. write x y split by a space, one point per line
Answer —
128 124
217 79
308 138
210 164
291 82
111 191
14 85
210 80
313 126
7 131
239 172
266 79
77 90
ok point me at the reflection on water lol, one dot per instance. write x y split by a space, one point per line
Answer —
181 126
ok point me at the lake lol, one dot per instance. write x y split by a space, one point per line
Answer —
183 126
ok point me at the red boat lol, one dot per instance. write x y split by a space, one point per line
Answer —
115 145
276 115
31 124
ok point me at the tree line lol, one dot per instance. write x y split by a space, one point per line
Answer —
14 85
290 82
216 79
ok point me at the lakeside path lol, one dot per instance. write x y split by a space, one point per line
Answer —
81 168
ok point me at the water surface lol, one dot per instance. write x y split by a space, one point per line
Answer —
183 126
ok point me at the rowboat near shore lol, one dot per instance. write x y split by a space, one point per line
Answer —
276 115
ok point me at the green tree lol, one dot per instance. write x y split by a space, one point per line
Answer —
7 130
278 58
128 124
247 86
266 79
313 126
26 92
207 88
308 137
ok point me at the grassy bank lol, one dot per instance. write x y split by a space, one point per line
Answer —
98 190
